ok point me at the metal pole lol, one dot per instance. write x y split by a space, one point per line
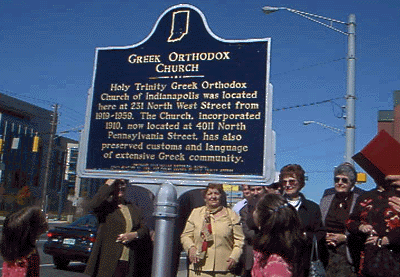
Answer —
351 89
165 214
61 194
336 130
48 158
351 70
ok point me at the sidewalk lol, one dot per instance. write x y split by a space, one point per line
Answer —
50 221
182 273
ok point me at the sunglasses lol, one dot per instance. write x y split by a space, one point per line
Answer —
338 179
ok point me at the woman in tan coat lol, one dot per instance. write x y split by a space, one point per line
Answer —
213 237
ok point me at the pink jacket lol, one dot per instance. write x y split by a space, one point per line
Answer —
27 267
275 266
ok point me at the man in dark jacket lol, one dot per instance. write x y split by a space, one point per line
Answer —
249 228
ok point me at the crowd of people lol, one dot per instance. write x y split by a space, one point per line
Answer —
269 233
357 231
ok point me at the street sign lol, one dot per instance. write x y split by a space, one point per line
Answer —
181 105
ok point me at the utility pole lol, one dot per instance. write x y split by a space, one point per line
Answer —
351 89
351 69
48 158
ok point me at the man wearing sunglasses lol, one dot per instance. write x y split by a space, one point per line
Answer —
336 205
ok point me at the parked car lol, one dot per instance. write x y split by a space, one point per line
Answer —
73 242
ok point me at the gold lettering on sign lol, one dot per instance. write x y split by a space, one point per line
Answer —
178 119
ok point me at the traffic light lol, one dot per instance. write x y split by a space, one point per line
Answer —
36 141
1 145
361 177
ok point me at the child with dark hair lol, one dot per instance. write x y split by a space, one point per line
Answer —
18 243
280 243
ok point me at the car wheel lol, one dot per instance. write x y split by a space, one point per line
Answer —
60 263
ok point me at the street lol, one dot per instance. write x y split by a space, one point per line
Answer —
76 269
48 269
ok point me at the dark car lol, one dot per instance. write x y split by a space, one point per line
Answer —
72 242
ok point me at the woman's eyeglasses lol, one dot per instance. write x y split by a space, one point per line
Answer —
344 180
290 182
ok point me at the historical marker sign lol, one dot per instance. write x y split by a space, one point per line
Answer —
182 105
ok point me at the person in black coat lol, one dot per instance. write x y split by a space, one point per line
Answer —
250 229
375 221
336 205
292 179
120 235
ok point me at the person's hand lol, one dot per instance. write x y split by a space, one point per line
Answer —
394 180
231 263
110 182
394 202
127 237
375 240
334 239
367 229
385 241
193 255
371 240
152 235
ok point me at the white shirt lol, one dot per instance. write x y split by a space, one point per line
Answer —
239 205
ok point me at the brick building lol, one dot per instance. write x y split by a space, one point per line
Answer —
389 120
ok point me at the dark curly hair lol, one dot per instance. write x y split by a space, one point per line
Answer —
20 232
280 231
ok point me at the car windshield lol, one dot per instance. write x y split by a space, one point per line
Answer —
88 221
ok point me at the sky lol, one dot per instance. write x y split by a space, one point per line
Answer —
47 52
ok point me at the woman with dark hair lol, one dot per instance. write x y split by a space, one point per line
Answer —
213 237
375 221
279 245
292 179
18 243
121 233
336 205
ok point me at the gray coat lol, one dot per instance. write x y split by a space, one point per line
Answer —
326 202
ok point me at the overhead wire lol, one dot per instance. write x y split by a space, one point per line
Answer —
294 149
307 105
308 66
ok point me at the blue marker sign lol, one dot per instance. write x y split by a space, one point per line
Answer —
181 105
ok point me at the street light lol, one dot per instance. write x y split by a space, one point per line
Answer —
336 130
351 69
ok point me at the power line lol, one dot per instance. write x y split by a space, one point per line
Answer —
77 129
308 66
308 105
20 95
294 149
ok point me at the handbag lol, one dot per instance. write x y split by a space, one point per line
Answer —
316 266
380 261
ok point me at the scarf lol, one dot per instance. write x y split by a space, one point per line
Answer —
295 203
206 231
